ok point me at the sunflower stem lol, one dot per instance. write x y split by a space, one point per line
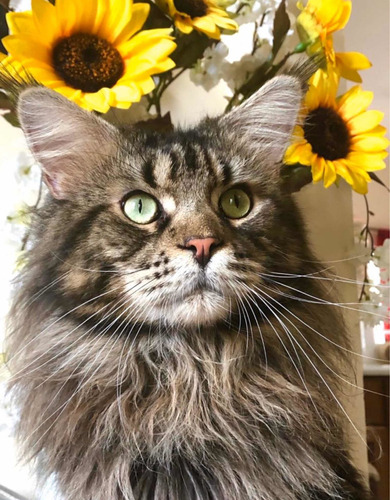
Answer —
368 237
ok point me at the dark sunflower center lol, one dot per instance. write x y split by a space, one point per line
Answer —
87 62
327 133
194 8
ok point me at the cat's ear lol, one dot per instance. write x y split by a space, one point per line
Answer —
263 124
67 141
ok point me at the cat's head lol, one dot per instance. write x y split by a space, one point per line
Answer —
169 229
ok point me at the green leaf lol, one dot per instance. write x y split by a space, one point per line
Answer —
190 48
295 177
257 80
5 102
281 26
3 24
12 119
156 18
162 124
375 178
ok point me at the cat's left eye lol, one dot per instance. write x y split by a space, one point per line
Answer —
140 208
235 203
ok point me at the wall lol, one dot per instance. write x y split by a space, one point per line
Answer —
368 31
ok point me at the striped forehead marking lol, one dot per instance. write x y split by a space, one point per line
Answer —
166 164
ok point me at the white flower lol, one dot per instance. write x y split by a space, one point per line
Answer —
20 5
254 10
237 73
382 254
207 71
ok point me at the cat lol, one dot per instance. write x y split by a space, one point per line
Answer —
163 341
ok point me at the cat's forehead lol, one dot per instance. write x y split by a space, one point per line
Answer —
185 162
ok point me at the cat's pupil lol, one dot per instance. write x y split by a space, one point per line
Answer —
140 206
237 201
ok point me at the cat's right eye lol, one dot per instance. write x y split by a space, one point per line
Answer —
235 203
140 208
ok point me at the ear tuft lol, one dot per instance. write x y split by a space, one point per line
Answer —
302 68
67 141
263 124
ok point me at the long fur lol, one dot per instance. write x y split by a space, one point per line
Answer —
139 377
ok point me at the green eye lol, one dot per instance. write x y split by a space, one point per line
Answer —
235 203
140 208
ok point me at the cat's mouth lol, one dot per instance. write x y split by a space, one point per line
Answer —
198 304
200 292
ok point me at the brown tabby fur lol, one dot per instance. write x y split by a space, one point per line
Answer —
140 375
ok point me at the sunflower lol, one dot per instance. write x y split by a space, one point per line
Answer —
91 51
339 137
315 25
11 69
202 15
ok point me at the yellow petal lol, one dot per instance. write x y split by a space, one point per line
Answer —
359 182
369 143
354 102
183 24
343 171
137 68
353 60
207 26
146 85
342 17
45 19
329 174
299 153
20 22
24 47
144 41
128 93
140 12
325 11
312 100
164 65
46 76
325 88
88 15
221 19
365 121
317 168
349 62
100 101
367 161
377 131
66 16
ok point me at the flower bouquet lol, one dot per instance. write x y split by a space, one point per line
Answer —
105 54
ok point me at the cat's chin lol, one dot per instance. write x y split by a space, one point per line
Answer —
196 309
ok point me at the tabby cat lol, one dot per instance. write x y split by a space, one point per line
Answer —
164 339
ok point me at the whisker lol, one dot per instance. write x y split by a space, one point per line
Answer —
66 348
270 307
62 317
326 338
300 373
295 326
99 271
82 383
332 278
317 300
47 287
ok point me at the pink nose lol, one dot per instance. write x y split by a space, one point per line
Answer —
202 248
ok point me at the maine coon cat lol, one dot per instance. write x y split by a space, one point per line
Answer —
167 341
